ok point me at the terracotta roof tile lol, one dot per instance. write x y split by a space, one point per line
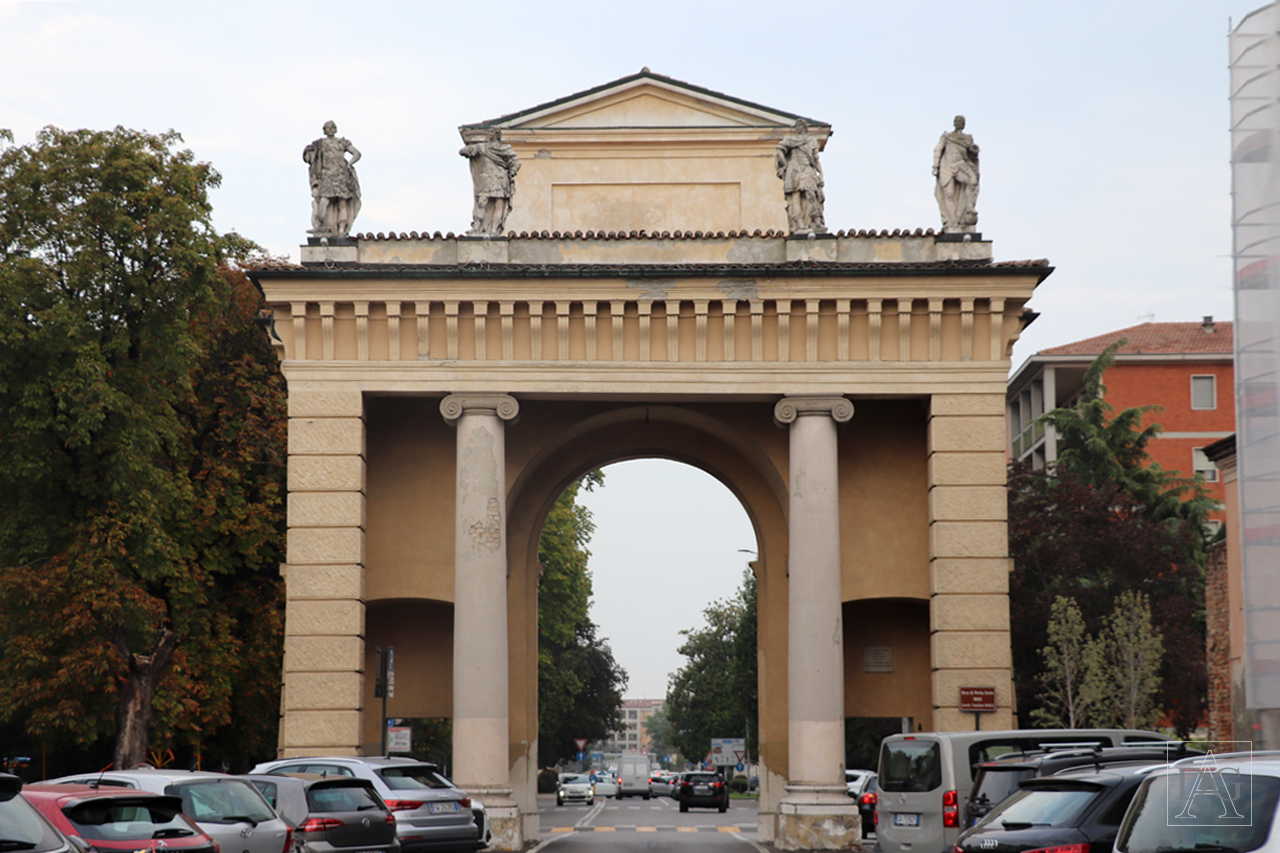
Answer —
1155 339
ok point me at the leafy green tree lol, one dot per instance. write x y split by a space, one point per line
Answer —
1066 701
703 701
579 683
658 729
746 664
141 453
1123 665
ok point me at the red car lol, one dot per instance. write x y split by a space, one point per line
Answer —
120 819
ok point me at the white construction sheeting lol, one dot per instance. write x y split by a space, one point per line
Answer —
1255 161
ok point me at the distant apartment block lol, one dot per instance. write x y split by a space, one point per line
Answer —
633 737
1186 368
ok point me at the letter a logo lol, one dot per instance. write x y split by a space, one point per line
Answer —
1210 782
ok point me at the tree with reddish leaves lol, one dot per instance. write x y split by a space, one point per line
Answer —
1101 522
141 454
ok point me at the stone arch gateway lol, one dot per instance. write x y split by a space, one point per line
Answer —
848 388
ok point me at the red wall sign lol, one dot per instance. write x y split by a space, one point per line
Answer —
977 698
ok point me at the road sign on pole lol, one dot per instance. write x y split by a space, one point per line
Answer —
726 752
581 742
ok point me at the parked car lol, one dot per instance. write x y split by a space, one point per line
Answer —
1073 812
575 788
23 828
430 812
331 814
996 780
925 778
227 809
1194 804
703 790
111 819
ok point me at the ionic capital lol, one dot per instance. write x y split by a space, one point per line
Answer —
499 405
803 405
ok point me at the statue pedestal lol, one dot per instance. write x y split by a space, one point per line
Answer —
330 250
961 246
483 250
818 817
812 247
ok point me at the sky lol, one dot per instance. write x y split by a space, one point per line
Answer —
1102 123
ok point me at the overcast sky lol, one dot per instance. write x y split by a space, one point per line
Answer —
1102 123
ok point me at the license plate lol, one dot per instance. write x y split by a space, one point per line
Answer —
438 808
906 820
701 789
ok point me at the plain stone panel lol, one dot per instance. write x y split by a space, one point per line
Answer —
316 691
966 539
967 404
326 474
962 503
971 650
326 509
309 751
969 613
325 582
325 404
324 654
326 436
981 575
316 545
971 432
330 618
968 469
947 684
330 732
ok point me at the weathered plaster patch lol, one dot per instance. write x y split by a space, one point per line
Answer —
653 288
746 288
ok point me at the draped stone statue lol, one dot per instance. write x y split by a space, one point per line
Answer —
797 165
335 189
494 165
955 163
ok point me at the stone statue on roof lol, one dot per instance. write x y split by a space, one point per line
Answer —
494 165
801 173
335 189
955 164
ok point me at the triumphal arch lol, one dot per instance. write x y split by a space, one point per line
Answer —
661 284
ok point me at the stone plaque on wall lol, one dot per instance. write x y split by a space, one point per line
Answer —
877 658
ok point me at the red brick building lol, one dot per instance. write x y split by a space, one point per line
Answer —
1186 368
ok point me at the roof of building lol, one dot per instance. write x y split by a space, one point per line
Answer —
1209 336
631 79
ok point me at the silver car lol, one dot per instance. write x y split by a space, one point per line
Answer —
431 814
229 810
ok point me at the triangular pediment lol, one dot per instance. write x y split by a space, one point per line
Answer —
645 100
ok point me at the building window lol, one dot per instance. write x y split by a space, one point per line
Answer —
1212 526
1204 392
631 715
1203 465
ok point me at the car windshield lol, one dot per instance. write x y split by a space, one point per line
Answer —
701 778
22 828
1212 811
908 766
229 801
574 780
112 819
410 776
342 798
994 784
1059 806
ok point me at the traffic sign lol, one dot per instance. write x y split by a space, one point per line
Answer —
726 752
581 755
581 742
740 767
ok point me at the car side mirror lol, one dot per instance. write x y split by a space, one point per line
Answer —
79 844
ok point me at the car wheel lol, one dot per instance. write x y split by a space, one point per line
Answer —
684 807
559 802
646 796
591 802
724 807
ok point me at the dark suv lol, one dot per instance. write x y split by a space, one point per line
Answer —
704 790
996 780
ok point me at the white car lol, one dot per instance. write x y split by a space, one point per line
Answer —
855 780
1210 803
575 788
605 785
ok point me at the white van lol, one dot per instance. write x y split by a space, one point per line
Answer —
633 776
924 778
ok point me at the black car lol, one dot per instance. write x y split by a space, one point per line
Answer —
996 780
1074 812
867 804
704 790
331 814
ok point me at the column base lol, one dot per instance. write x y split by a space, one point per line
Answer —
818 817
506 826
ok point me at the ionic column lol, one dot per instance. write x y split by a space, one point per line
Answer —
816 813
480 711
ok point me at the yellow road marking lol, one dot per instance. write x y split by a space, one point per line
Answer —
686 829
606 829
646 829
726 829
562 829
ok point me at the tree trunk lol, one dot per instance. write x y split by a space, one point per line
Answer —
133 713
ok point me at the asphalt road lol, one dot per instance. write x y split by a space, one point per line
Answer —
632 825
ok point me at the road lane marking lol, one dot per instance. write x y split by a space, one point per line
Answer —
646 829
686 829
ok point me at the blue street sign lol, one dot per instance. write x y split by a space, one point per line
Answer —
741 768
581 755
